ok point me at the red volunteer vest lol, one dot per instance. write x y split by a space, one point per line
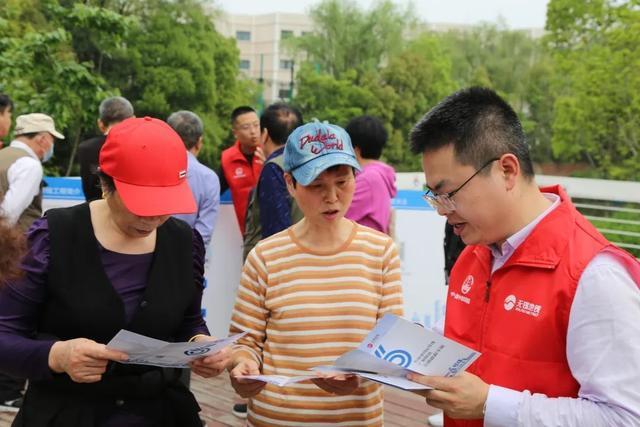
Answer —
241 177
518 317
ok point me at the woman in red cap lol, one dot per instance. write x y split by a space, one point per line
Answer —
93 269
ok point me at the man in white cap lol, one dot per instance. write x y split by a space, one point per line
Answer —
21 168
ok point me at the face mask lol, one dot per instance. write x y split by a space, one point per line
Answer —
48 154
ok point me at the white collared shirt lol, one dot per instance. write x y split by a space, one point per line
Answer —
500 256
603 351
24 177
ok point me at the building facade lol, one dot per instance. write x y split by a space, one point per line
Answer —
264 56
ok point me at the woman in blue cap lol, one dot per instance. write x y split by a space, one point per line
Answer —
312 292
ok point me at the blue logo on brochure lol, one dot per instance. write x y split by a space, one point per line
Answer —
399 357
197 351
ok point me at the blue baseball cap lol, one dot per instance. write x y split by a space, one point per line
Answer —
315 147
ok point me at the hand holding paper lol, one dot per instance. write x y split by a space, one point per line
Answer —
462 396
244 378
212 365
341 384
279 380
396 347
144 350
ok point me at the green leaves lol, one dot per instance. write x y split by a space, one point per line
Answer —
596 48
374 62
62 57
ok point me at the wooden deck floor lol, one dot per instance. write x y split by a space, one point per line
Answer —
216 397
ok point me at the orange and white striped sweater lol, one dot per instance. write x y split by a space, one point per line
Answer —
304 308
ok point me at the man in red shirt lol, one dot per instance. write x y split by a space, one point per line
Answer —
242 162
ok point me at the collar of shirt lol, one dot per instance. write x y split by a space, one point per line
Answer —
21 145
503 253
275 153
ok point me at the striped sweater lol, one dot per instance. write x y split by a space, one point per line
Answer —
304 308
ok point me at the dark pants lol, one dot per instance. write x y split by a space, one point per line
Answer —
10 388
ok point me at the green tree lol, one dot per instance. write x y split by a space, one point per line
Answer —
175 60
40 69
419 77
516 66
62 57
595 47
399 93
346 37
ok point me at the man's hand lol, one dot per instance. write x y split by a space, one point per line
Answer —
82 359
341 384
246 387
259 154
462 396
211 366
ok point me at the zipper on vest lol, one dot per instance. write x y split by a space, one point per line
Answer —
485 307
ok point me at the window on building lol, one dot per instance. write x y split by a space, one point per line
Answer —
286 64
284 93
286 34
245 64
243 35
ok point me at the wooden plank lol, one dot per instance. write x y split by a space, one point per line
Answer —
216 397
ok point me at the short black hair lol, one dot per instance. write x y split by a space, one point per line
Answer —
244 109
5 103
280 120
114 110
368 134
106 181
188 126
479 124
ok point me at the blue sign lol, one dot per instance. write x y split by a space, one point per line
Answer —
410 200
63 188
404 200
225 198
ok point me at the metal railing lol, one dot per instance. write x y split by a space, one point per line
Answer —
612 206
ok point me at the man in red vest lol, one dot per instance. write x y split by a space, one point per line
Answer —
553 307
242 162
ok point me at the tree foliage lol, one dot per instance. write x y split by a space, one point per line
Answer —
62 57
596 48
577 90
515 65
349 38
403 82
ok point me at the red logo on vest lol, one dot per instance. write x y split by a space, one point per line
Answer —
239 173
467 284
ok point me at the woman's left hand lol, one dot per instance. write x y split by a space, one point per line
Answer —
211 366
340 384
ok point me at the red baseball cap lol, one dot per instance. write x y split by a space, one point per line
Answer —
148 163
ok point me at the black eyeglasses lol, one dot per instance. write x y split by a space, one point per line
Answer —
444 201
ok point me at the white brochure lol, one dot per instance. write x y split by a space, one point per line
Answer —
143 350
396 347
279 380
